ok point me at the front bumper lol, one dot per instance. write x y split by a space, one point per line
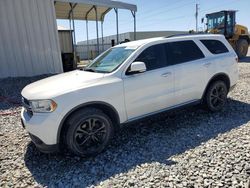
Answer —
43 130
41 145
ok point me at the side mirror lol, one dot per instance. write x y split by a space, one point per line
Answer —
137 67
202 20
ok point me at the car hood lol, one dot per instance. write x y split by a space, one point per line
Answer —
62 83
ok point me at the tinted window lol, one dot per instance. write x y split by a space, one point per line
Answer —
183 51
215 46
153 57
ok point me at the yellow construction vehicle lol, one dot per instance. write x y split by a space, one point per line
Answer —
223 22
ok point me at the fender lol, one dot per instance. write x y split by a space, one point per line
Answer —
93 103
218 76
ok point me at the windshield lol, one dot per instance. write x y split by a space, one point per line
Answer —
216 21
110 60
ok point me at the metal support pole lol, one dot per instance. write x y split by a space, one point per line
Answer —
102 19
87 28
102 37
72 41
87 31
73 21
74 34
196 17
71 32
97 31
134 16
117 27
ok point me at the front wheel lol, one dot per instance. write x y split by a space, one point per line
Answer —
90 131
216 96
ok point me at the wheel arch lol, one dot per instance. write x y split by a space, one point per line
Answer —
219 76
108 109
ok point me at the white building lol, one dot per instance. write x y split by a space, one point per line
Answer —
91 45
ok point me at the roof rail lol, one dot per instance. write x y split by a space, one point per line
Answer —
186 34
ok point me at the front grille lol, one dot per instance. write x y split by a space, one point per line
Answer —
25 102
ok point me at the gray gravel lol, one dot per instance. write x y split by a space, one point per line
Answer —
184 148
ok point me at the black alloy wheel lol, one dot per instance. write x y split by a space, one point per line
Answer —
216 96
89 133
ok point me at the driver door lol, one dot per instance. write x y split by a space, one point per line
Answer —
153 90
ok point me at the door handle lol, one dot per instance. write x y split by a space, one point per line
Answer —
207 64
166 74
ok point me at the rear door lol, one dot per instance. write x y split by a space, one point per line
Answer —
190 70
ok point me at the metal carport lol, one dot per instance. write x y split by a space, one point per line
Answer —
29 41
91 10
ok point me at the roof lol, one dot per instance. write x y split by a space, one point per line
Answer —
138 43
84 9
135 44
222 11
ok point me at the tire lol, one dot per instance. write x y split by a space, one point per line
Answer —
216 96
242 48
89 132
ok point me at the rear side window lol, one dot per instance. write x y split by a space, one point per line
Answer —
215 46
153 57
183 51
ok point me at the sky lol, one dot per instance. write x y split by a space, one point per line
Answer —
160 15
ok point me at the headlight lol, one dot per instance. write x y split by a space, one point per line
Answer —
42 106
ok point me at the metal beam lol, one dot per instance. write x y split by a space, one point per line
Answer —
86 16
71 33
134 16
73 21
117 27
87 31
97 31
102 20
72 8
102 37
103 14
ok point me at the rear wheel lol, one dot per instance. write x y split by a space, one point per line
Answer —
242 48
216 96
89 132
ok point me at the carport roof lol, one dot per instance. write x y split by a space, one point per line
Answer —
84 9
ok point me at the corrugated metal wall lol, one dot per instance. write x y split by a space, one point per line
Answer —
29 42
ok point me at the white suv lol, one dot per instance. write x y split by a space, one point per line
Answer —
81 110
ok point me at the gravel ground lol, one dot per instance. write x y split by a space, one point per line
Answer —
184 148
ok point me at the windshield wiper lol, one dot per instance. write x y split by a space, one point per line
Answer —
89 70
93 70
